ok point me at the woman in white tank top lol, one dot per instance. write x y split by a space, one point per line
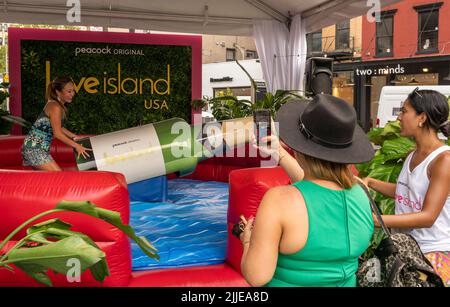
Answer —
422 192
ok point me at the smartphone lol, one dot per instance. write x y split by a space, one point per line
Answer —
262 120
237 229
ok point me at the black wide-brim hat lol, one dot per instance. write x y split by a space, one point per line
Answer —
324 128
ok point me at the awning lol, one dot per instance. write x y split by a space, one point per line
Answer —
230 17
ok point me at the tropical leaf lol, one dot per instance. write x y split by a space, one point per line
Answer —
388 172
52 223
392 129
375 136
35 271
111 217
55 256
378 160
363 169
50 244
85 207
199 103
387 206
397 149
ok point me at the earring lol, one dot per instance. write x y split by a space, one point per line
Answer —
420 125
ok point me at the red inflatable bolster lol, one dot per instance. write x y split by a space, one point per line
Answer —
117 257
11 156
220 275
24 194
212 172
218 168
247 188
64 154
10 150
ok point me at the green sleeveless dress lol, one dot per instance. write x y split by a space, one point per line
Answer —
340 228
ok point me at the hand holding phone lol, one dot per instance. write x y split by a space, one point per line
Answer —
262 120
238 228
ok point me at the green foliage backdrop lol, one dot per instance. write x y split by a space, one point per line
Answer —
101 113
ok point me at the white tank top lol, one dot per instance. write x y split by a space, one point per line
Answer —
410 193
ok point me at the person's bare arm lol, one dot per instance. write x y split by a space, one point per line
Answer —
55 114
285 160
290 166
68 133
261 243
385 188
435 198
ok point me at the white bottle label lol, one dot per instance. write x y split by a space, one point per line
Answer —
134 152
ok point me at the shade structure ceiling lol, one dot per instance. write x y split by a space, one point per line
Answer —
224 17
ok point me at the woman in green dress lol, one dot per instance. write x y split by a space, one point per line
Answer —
312 232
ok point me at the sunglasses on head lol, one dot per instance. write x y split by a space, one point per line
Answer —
416 92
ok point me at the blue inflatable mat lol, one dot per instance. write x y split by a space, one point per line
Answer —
188 230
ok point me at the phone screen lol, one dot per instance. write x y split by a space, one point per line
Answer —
262 121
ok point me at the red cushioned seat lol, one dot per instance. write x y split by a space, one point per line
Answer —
220 275
26 193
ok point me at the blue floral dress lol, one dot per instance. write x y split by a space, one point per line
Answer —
36 145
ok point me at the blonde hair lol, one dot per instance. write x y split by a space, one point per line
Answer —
337 172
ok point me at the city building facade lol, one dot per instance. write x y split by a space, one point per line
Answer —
408 45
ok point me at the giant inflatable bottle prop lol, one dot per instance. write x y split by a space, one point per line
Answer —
169 146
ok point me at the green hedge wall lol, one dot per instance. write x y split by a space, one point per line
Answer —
102 112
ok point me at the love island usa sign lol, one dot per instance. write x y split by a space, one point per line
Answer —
121 80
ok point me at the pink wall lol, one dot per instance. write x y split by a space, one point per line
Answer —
15 35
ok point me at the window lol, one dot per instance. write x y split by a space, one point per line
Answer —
231 54
251 54
343 35
314 42
428 27
385 31
239 92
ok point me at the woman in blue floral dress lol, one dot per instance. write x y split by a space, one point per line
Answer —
49 125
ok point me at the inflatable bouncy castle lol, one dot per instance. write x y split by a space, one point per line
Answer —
191 227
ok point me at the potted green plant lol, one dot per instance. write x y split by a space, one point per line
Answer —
50 244
6 119
5 125
227 106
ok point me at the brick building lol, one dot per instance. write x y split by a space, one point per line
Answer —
410 45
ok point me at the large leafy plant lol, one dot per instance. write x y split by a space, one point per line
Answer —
226 106
6 119
49 245
5 126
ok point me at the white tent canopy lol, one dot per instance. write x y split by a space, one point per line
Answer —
226 17
278 26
